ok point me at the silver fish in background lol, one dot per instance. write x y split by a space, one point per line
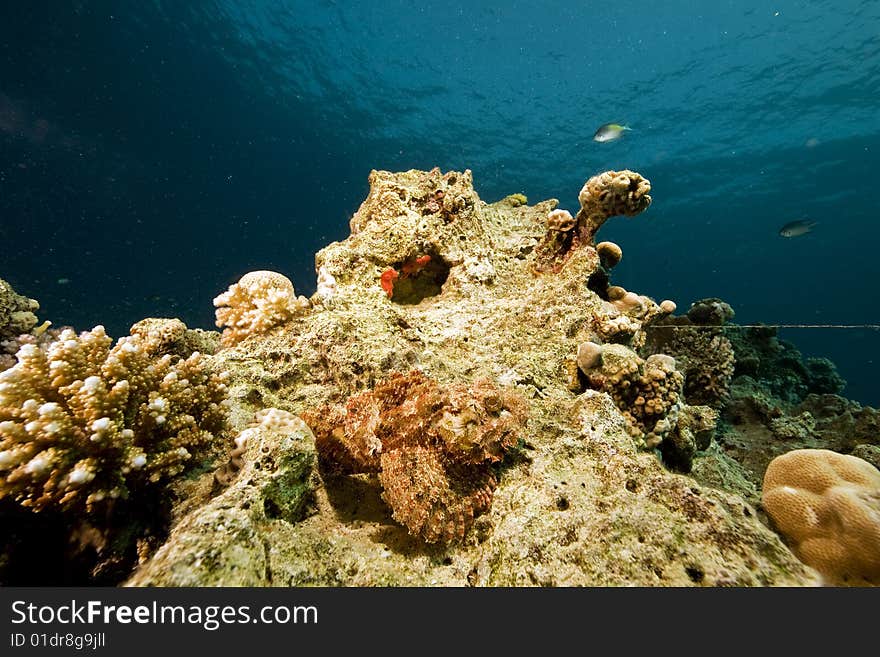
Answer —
610 132
797 228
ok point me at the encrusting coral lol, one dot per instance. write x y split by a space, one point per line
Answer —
827 506
83 422
648 393
16 312
432 446
258 302
171 336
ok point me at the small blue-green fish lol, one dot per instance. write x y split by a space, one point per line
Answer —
610 132
797 228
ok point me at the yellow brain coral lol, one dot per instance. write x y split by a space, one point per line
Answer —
827 506
259 301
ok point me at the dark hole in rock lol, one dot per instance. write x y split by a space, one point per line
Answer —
562 503
599 282
418 281
271 508
632 485
695 573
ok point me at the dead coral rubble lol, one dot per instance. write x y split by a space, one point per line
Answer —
432 445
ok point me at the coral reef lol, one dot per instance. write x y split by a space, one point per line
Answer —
16 312
258 302
274 487
608 195
81 422
432 446
827 505
18 324
647 392
416 480
779 366
171 336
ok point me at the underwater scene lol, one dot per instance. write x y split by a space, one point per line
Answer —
412 294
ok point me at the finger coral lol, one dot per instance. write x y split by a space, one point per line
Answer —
259 301
83 422
431 445
827 506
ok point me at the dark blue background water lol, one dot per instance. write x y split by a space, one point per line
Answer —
152 152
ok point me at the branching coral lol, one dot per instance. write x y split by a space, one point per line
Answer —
83 423
827 506
259 301
431 445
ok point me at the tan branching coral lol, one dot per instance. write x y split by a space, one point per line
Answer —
431 445
83 422
259 301
827 506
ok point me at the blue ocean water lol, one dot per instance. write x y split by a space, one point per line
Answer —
152 152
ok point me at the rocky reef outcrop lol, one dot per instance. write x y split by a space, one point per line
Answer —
467 400
470 295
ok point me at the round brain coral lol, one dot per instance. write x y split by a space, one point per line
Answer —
259 301
827 506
